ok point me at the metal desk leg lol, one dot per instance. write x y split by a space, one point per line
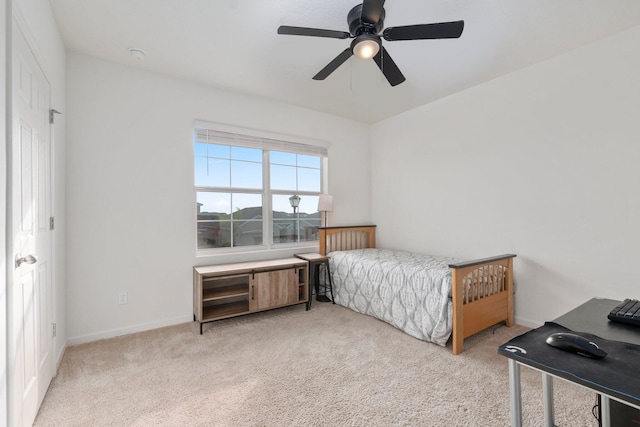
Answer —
605 411
515 394
547 396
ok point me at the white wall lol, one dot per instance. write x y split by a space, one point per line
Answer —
4 31
542 163
130 198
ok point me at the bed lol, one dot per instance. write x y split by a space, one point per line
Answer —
430 298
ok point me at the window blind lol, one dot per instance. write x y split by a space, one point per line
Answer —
213 136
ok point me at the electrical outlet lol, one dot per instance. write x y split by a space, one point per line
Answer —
123 298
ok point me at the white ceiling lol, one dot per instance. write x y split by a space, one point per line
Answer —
233 44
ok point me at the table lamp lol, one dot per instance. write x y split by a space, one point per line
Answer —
325 204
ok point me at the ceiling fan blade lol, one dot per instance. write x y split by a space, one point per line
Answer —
388 67
442 30
371 11
333 65
314 32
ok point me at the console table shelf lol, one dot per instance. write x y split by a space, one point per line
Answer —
223 293
228 290
222 311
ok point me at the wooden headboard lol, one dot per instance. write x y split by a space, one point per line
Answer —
346 238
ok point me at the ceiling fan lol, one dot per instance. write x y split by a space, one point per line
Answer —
366 21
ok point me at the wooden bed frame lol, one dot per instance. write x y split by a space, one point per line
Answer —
482 289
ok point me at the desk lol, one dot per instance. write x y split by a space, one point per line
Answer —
590 317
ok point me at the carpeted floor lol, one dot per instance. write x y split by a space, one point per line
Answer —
290 367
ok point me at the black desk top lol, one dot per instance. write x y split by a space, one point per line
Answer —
591 317
615 375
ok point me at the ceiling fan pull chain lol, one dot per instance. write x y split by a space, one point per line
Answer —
351 76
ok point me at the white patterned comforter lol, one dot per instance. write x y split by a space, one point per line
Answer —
409 291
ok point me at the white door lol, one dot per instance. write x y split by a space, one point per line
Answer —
30 320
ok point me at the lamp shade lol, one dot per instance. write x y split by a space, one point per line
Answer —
325 203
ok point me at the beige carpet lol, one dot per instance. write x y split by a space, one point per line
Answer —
289 367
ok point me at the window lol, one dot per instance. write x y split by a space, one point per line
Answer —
255 192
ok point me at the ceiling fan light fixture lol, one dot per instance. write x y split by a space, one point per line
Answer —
365 47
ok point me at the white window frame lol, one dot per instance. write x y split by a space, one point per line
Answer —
222 134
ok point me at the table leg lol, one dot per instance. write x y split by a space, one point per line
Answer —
314 280
547 396
333 300
323 297
515 394
605 411
316 277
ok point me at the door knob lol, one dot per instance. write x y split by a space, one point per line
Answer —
29 259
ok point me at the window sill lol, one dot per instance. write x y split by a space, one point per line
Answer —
224 255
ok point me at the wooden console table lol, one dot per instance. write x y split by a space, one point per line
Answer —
229 290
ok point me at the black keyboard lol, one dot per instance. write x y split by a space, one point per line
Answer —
628 311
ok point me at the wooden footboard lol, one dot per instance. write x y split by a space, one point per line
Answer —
482 289
482 294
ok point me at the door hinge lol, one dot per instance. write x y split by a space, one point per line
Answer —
51 223
51 115
53 330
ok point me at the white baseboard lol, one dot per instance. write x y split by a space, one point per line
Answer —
176 321
59 356
128 330
528 323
